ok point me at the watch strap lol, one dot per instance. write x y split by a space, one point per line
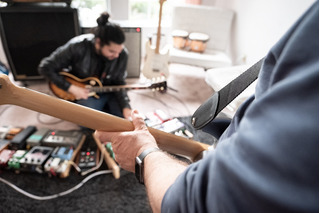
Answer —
139 170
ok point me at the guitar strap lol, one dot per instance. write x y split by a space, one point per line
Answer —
219 100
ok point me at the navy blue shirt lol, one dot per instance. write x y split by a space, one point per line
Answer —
268 158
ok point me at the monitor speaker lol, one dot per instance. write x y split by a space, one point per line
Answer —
133 44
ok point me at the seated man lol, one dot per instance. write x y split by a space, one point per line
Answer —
100 54
268 158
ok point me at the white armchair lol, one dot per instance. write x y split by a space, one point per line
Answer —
213 21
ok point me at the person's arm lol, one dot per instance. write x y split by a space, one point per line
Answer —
161 171
50 66
160 168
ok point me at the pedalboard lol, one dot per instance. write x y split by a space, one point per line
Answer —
42 151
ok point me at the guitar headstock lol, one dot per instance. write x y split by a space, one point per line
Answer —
158 84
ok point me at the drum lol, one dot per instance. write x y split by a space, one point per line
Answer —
180 38
198 42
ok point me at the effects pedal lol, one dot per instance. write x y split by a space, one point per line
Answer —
36 138
19 141
64 153
4 131
34 160
170 126
67 138
5 156
56 166
14 162
4 144
8 132
152 119
161 115
88 155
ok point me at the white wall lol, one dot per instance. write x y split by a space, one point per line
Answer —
119 9
258 24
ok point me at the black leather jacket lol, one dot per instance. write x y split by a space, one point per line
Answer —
79 57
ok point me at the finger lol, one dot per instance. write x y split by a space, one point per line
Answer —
138 121
105 136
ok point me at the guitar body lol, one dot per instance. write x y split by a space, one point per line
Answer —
156 64
65 95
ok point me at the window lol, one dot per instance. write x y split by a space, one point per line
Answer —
89 11
141 11
148 10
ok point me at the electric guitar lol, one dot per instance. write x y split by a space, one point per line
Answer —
95 86
93 119
156 63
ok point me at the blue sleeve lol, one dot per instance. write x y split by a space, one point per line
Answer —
268 159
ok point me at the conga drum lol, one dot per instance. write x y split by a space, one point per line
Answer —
180 38
198 41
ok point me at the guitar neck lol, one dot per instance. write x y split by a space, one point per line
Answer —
157 50
93 119
118 88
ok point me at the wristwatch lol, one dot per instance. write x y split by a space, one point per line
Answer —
139 165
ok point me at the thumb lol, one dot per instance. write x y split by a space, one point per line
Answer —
138 121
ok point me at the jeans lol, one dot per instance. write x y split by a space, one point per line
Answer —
107 102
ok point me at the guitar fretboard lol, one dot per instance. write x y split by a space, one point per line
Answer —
119 88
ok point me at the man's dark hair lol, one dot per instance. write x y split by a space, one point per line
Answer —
108 32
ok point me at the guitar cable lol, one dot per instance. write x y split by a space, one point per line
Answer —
5 109
48 123
49 197
163 103
36 197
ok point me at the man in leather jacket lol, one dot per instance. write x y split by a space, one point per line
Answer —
101 54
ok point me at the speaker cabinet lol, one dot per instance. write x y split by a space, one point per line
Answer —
32 32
